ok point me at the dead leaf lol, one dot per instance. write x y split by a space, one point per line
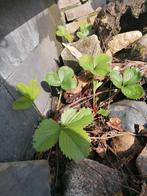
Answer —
115 123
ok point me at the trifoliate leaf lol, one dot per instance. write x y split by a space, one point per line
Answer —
131 76
86 62
72 118
74 143
30 90
22 103
102 64
134 91
66 75
52 79
68 36
62 32
98 64
85 30
46 136
116 78
103 112
33 89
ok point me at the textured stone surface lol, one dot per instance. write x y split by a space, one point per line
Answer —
90 178
142 47
83 10
30 178
89 45
16 130
130 112
64 4
142 163
28 49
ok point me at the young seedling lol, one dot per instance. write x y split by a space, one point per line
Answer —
63 32
85 30
103 112
73 140
128 83
63 78
29 93
98 65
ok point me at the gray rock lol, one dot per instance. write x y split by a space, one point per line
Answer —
88 45
16 129
141 163
142 47
30 178
130 112
90 178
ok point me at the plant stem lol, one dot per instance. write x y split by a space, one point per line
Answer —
93 95
37 110
59 100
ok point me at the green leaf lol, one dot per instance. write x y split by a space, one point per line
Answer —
98 64
86 62
52 79
134 91
62 32
72 118
116 78
102 64
131 76
46 136
74 143
33 89
103 112
66 76
22 103
30 90
85 30
96 85
68 36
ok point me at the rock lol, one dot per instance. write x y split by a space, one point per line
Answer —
126 147
141 163
83 10
65 4
16 129
130 112
143 190
90 178
117 17
140 49
88 45
30 178
123 40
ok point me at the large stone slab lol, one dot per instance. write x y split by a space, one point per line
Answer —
88 45
90 178
30 178
83 10
16 129
130 112
65 4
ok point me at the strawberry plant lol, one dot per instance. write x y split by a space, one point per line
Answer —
63 32
74 142
128 83
85 30
63 78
